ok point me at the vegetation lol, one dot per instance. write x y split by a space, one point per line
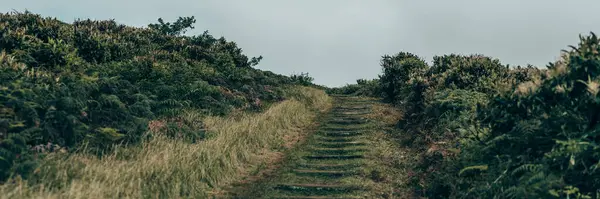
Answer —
174 168
485 130
96 109
362 87
94 84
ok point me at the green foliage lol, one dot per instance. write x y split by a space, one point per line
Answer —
398 70
302 79
486 130
551 126
472 168
177 28
474 72
100 83
363 87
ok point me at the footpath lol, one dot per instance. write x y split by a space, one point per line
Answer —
328 164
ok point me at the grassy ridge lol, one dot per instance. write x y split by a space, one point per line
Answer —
172 168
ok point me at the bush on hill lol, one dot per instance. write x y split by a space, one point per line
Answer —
101 83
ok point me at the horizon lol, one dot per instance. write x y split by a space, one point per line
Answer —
353 35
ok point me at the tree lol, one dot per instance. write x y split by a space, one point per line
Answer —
177 28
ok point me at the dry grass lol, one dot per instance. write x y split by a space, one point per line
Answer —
168 168
385 113
528 87
389 162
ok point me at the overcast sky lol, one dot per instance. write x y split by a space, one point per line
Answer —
339 41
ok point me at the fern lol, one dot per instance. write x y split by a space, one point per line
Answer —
527 168
472 168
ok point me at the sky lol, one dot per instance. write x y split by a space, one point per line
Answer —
339 41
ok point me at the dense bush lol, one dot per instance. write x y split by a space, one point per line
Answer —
398 70
545 134
474 72
486 130
302 79
101 83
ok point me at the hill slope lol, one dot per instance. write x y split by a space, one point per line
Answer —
102 83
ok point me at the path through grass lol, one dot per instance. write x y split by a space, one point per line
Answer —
332 163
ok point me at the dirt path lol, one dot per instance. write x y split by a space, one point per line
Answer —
330 164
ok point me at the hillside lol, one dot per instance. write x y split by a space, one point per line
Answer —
103 83
477 128
97 109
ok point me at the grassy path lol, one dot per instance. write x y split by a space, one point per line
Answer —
329 164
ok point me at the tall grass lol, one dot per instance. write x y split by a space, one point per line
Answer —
163 167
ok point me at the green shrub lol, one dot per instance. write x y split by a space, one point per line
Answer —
363 87
302 79
485 130
397 71
99 83
545 133
473 72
